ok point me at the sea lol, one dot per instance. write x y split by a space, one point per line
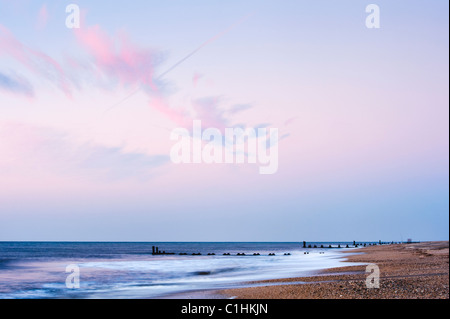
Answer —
122 270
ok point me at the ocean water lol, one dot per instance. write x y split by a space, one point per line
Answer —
129 270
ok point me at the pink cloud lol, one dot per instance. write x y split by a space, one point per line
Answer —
196 78
35 61
116 59
179 116
207 110
120 60
42 17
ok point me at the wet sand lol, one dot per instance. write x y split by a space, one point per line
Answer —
407 271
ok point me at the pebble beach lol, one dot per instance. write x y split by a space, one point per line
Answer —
407 271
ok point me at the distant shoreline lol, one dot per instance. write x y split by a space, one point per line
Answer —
407 271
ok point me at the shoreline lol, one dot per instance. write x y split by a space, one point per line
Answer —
218 293
407 271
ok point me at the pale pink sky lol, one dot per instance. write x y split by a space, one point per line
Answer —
85 117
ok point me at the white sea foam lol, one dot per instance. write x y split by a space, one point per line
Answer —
110 270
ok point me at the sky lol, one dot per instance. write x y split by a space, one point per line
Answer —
86 116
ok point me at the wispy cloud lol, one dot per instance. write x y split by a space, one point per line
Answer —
15 84
195 78
51 151
118 59
108 62
37 62
239 108
209 110
42 17
102 62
